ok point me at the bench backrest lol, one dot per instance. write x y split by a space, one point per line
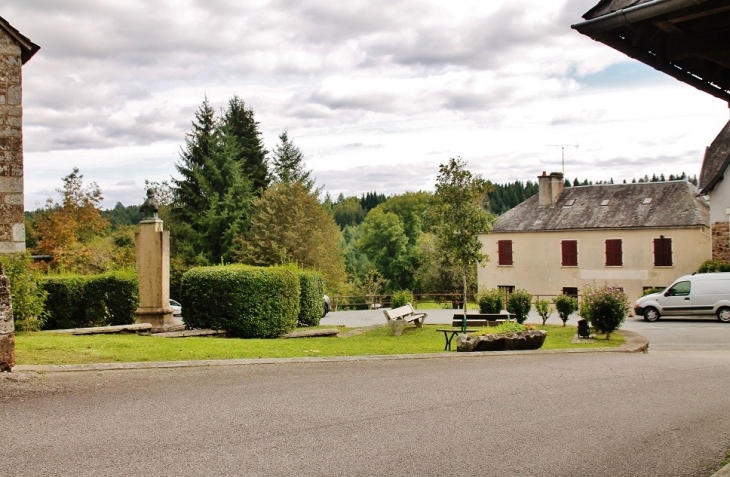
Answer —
400 312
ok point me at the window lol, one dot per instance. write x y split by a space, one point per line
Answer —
662 252
504 248
614 253
569 253
506 291
679 289
571 291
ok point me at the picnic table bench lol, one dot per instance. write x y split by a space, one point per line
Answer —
407 313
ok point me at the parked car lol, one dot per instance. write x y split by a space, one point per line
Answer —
176 307
327 305
689 295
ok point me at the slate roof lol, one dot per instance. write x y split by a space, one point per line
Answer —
27 47
605 7
716 161
674 204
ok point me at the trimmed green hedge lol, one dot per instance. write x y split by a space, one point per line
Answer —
311 301
250 302
92 300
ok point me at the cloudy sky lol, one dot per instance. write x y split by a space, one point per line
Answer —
375 93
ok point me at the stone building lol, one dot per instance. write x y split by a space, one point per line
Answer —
712 184
635 236
15 51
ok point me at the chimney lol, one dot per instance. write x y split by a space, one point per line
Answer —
550 186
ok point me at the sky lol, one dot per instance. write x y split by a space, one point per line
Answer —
376 94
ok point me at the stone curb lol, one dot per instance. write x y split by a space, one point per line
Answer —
635 343
724 472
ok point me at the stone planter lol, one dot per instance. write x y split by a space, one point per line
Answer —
397 326
520 340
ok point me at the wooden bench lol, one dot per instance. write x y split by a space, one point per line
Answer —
406 313
480 319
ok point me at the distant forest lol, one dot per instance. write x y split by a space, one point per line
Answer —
506 196
503 198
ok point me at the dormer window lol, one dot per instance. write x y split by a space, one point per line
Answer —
605 201
646 201
569 202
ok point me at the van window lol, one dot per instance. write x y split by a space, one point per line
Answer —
679 289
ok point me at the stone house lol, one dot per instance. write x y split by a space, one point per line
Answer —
15 51
635 236
712 184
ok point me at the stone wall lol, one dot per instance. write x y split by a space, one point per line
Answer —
7 338
12 228
721 241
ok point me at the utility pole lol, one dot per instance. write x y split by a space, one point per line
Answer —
562 152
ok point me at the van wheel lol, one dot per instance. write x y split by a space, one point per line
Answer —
651 314
723 314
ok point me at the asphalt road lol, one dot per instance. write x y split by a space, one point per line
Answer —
664 413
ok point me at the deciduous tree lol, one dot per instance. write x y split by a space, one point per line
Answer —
460 218
291 226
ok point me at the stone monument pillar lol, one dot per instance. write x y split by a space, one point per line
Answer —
7 336
153 270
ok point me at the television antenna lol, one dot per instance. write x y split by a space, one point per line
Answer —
562 152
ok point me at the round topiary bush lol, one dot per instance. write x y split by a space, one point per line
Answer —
520 303
565 306
490 301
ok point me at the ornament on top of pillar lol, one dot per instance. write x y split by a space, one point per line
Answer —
150 207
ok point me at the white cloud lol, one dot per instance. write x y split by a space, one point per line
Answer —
375 93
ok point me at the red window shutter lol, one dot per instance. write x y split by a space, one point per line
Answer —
662 252
614 253
569 253
505 252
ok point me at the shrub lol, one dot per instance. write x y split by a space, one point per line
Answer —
75 301
543 309
401 298
565 306
490 301
649 291
249 302
520 303
26 295
710 266
311 304
605 307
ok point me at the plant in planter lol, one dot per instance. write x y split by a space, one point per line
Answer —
605 307
543 309
519 303
490 301
565 306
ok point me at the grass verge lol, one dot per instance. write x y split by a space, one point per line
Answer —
46 348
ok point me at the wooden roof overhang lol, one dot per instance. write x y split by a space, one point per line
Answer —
27 47
686 39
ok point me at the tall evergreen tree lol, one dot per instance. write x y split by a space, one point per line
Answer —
239 121
287 164
212 200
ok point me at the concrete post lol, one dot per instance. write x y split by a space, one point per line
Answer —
153 271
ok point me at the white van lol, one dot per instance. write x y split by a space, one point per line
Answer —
690 295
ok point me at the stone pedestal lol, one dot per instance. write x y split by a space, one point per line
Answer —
7 328
153 270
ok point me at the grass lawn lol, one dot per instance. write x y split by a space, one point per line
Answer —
47 348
